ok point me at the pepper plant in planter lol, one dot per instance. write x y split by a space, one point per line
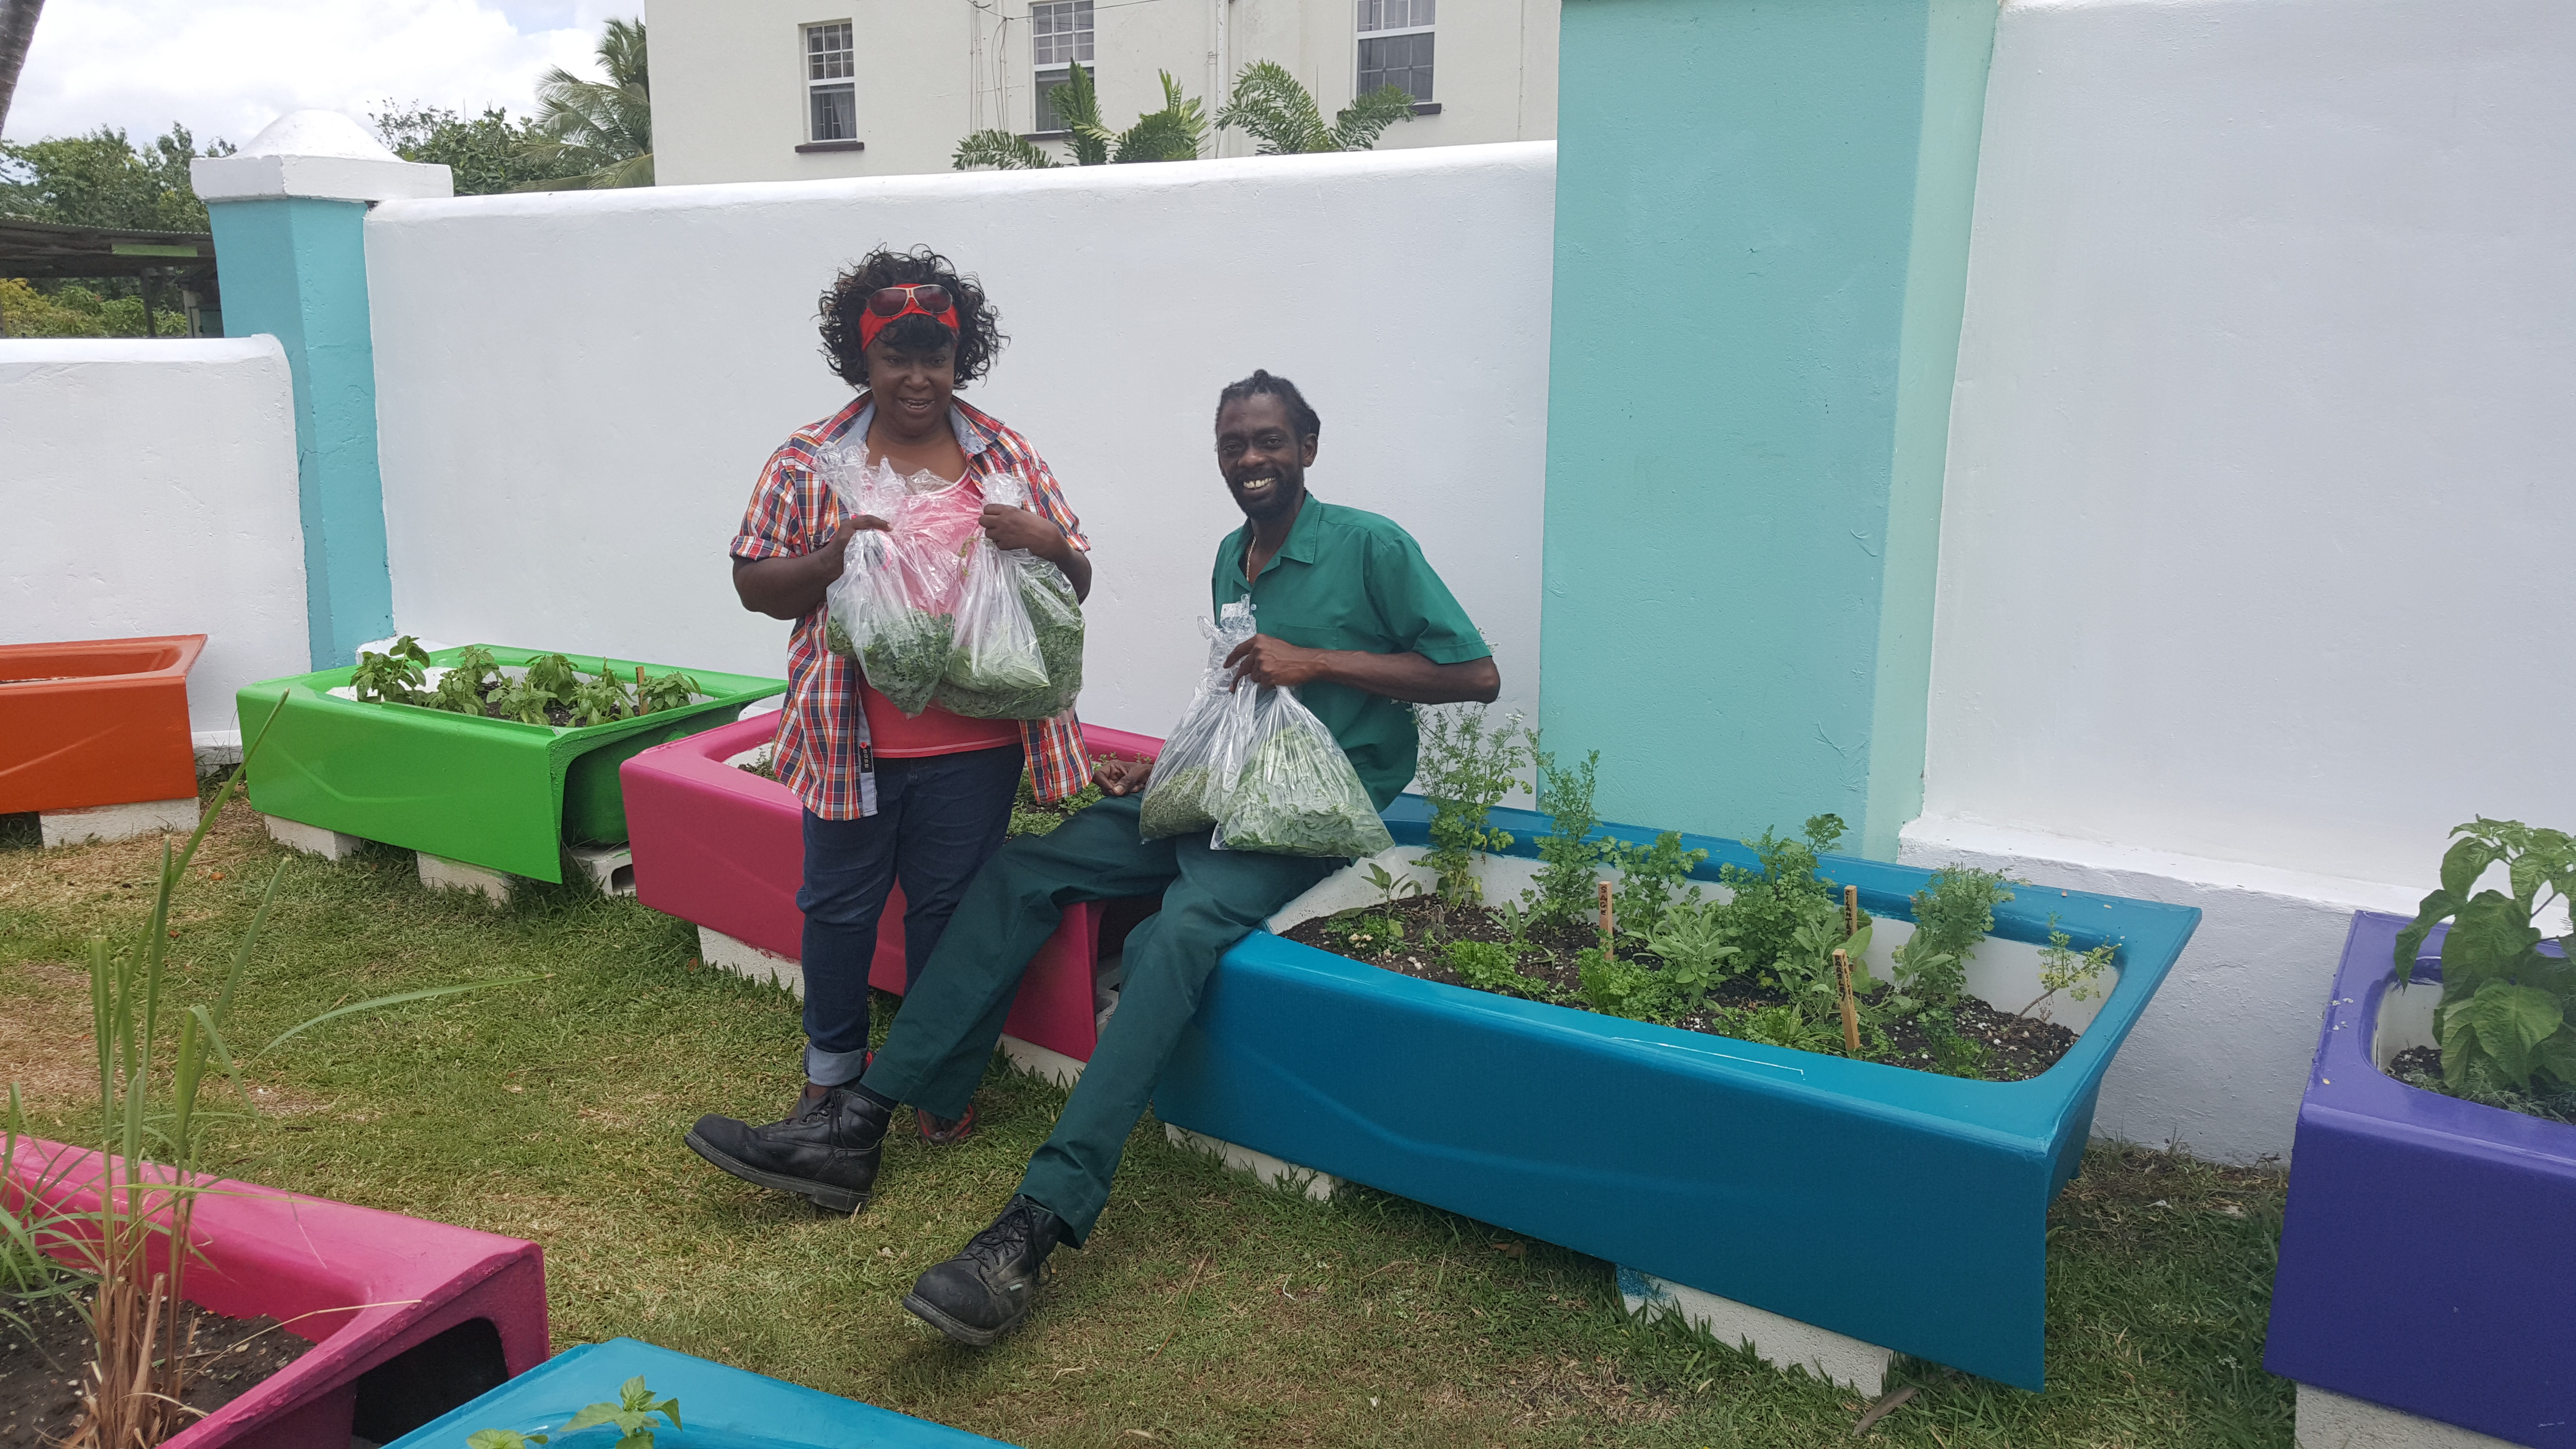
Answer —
485 754
1906 1208
2423 1267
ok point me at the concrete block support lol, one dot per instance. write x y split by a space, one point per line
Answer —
441 874
1779 1341
1761 259
288 212
311 839
118 822
2328 1420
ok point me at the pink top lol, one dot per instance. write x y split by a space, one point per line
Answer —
932 732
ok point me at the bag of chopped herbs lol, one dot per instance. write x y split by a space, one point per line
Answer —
1297 793
891 609
1205 751
1017 651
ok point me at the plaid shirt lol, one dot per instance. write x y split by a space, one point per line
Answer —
823 753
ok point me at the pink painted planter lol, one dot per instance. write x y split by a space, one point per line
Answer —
364 1286
720 846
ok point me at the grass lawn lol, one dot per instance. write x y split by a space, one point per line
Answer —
1205 1311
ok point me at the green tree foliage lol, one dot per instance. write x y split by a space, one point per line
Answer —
595 133
102 179
488 153
1283 119
1177 132
77 309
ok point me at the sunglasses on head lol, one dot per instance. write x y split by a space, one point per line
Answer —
929 299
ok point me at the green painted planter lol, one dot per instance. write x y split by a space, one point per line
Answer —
490 792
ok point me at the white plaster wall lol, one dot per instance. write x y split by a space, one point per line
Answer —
148 487
576 391
2254 537
729 84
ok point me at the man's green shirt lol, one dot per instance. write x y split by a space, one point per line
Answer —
1346 579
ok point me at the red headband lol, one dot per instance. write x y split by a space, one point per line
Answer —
887 304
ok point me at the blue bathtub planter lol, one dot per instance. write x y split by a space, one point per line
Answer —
723 1408
2425 1286
1903 1210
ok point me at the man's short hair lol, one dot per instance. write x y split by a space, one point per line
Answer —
1303 417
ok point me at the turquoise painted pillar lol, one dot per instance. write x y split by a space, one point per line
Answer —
289 218
1761 255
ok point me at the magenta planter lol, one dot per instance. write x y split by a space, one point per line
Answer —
365 1287
721 847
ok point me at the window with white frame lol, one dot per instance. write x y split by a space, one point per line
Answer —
831 100
1059 34
1395 46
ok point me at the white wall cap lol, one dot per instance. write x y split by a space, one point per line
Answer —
317 133
321 154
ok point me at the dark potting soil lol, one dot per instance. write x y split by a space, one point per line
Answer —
2422 1067
2017 1048
42 1374
2415 1061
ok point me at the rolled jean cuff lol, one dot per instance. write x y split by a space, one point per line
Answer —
834 1069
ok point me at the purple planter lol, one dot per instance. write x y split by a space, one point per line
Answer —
2426 1262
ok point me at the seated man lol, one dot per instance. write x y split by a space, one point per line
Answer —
1356 622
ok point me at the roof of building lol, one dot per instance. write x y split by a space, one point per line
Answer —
53 249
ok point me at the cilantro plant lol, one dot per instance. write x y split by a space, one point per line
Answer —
1487 966
1467 767
631 1416
1649 877
2503 1022
1564 892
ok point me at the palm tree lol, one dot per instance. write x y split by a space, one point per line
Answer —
17 28
1177 132
592 133
1283 117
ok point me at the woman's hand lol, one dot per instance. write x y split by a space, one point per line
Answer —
836 553
1011 527
791 586
1022 528
1121 777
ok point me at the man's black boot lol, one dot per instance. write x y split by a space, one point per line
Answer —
985 1291
827 1152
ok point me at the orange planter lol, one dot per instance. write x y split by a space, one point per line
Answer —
97 722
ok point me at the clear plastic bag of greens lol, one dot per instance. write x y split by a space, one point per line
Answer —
891 608
1205 750
1297 793
1017 651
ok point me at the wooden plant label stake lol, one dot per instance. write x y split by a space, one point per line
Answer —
1851 1010
1851 911
1606 922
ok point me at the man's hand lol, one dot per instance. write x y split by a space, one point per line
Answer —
1264 660
1121 777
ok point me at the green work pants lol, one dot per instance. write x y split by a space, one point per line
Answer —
934 1054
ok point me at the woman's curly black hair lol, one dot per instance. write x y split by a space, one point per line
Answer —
979 335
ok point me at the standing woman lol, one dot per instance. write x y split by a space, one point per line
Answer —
923 799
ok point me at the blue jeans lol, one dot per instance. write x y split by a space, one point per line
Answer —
939 818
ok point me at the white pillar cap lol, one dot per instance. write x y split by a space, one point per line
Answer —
320 154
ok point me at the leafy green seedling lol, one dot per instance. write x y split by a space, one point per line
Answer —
1391 888
1618 988
1649 876
460 689
1487 966
2062 969
391 677
657 692
2505 1003
553 676
1564 891
1467 767
632 1416
600 699
1693 944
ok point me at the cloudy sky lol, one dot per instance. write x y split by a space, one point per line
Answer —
228 67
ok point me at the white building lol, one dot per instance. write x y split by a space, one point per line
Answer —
791 90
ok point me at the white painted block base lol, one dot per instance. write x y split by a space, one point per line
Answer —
311 839
1272 1172
118 822
1040 1061
745 959
2328 1420
1781 1342
441 874
613 866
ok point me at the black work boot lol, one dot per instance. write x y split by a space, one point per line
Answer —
985 1291
827 1152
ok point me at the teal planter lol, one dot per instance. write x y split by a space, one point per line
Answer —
1898 1207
